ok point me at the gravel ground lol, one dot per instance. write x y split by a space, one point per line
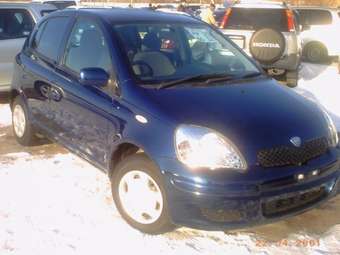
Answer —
52 202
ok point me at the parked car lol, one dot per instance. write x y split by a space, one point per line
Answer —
320 25
269 33
189 129
62 4
16 23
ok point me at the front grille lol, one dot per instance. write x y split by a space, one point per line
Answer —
291 204
285 155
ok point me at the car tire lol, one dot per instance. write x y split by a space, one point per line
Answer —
23 130
315 52
267 45
292 78
139 195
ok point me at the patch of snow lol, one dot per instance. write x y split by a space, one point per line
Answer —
5 115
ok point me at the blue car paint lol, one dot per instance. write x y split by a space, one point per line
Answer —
253 113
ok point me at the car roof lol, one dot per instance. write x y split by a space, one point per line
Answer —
35 6
130 15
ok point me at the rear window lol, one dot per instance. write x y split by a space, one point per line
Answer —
315 17
254 19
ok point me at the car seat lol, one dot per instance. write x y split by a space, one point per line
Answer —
153 57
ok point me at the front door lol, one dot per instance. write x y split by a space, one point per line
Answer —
82 114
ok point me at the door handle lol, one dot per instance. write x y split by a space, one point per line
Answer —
56 94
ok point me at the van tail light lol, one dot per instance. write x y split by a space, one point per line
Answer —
225 18
290 20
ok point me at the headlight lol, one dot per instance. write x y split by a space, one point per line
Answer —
334 139
199 147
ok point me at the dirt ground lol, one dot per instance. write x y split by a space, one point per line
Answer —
52 202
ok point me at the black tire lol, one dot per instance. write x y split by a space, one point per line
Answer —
315 52
292 78
28 138
141 163
267 45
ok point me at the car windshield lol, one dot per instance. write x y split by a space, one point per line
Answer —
160 53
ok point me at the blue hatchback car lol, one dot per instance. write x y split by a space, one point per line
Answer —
189 129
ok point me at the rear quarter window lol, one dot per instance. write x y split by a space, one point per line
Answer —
49 36
315 17
254 19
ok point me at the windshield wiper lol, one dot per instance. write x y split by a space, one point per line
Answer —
207 78
235 77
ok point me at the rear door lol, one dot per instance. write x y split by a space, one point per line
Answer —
15 26
39 61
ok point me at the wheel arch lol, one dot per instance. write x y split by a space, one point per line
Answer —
13 94
123 150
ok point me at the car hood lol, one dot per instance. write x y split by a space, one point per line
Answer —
254 115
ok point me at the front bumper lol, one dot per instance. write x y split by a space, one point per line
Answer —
212 206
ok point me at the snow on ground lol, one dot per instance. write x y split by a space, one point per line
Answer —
52 202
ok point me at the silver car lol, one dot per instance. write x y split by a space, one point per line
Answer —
16 23
268 32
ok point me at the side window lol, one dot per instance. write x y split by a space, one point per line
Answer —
15 23
87 47
321 17
49 37
315 17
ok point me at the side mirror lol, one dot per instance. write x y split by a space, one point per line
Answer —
94 76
